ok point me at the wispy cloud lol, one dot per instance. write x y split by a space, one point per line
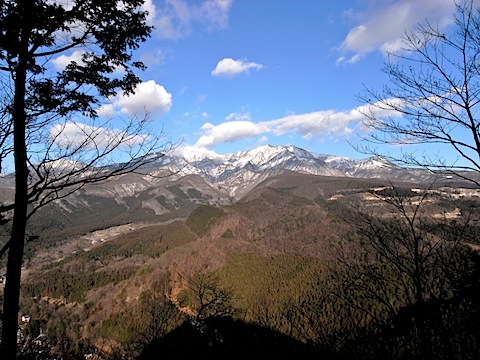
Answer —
317 124
330 124
155 57
383 25
174 19
229 67
71 135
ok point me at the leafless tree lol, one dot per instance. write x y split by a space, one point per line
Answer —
414 254
405 257
161 316
207 299
433 96
158 316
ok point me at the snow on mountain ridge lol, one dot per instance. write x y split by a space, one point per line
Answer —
335 159
268 157
257 156
237 173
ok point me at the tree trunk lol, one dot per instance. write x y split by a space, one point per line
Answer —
17 237
420 304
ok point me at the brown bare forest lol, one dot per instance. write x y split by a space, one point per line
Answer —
306 266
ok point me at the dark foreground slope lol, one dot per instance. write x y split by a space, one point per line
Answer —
270 274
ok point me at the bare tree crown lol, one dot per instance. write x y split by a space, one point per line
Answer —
433 96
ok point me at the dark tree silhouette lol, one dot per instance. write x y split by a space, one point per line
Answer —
407 257
49 119
206 298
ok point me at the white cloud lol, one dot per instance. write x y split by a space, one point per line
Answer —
67 4
319 124
243 116
384 24
75 134
229 67
149 97
62 61
175 18
151 9
107 110
228 132
192 153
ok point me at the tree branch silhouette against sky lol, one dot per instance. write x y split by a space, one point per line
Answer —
229 75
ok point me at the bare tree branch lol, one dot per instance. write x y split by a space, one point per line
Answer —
433 97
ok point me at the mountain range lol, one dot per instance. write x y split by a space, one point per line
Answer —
237 173
271 222
172 186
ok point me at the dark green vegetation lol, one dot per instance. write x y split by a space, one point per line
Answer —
307 267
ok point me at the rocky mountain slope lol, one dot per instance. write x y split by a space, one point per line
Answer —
271 223
172 186
237 173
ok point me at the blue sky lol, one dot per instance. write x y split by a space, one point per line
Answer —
230 75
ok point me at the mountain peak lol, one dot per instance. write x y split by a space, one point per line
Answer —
257 156
194 154
238 172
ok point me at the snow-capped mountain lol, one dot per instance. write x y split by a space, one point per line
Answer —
238 172
170 187
268 158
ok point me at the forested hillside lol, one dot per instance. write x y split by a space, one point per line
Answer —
306 266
